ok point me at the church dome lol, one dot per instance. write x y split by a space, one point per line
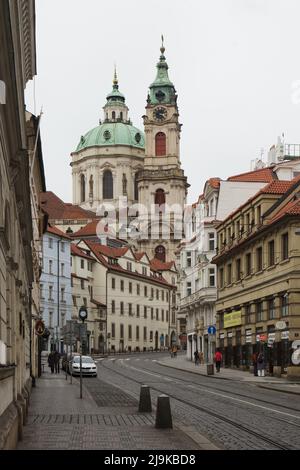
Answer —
112 133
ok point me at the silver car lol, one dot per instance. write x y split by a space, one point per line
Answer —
88 366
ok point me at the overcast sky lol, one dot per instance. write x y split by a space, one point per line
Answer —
233 62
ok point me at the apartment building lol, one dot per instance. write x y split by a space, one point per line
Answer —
258 260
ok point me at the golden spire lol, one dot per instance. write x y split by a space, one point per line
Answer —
115 80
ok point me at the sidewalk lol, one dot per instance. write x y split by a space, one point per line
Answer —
281 384
59 420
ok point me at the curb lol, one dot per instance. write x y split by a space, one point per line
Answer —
217 377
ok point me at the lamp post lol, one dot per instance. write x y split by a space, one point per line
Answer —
82 316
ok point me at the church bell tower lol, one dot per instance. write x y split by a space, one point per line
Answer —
162 184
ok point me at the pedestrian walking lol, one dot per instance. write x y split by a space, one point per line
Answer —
261 365
174 351
56 361
51 361
218 359
254 361
196 357
201 357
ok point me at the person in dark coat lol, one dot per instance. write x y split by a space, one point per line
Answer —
51 361
254 361
56 361
196 357
261 365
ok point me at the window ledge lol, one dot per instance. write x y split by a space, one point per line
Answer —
269 268
259 272
284 261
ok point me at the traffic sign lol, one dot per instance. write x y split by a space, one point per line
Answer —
280 325
211 330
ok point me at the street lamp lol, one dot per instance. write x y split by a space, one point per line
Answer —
82 316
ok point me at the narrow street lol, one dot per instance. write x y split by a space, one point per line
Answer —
231 414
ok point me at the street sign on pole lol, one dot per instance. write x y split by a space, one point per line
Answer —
211 330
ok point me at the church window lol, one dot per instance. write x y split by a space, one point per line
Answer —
91 183
160 253
160 199
121 115
138 137
160 144
107 135
113 114
82 188
136 189
108 192
124 184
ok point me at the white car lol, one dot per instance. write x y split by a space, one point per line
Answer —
88 366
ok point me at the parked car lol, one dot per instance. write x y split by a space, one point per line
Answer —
66 359
89 366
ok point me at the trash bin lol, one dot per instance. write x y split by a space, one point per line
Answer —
210 369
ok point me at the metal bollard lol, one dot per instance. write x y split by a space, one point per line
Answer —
210 369
145 405
163 412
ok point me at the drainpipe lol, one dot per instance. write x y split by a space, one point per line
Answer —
30 337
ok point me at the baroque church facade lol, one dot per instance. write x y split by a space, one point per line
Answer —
116 160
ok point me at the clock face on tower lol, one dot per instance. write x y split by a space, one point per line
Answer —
160 114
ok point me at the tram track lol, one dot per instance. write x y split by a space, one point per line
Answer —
205 410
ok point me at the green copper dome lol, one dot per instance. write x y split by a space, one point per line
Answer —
112 133
162 89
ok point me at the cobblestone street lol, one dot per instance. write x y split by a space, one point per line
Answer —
106 418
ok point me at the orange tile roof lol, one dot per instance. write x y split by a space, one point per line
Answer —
89 229
57 209
75 250
263 175
56 231
276 187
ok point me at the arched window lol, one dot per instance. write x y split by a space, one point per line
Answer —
113 115
160 199
108 190
136 189
82 188
160 144
160 253
121 115
91 191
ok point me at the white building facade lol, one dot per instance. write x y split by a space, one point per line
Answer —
55 286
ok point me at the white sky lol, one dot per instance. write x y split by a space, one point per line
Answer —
233 63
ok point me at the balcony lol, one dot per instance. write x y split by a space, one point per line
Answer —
206 294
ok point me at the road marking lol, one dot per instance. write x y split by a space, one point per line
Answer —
154 360
128 359
143 371
244 401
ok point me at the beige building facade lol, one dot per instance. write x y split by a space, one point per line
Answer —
258 262
17 66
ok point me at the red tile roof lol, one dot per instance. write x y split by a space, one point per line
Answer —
138 255
275 187
263 175
57 209
88 230
103 251
214 182
75 250
157 265
291 208
56 231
